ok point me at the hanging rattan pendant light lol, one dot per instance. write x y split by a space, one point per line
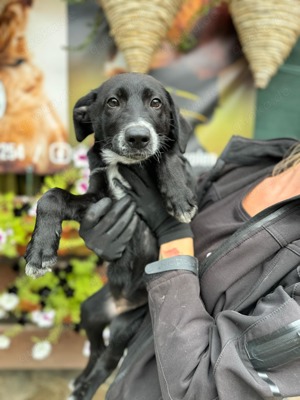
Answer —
268 30
138 27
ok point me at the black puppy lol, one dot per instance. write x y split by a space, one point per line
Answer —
135 122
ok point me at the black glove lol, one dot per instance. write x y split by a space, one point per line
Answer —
106 228
151 208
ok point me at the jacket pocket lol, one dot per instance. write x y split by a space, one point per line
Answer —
260 357
275 349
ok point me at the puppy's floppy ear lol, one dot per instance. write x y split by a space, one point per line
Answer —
181 129
81 118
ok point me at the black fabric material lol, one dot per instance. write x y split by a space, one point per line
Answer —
219 220
151 208
141 383
242 163
182 262
107 228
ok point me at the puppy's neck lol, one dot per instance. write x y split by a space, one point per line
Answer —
112 158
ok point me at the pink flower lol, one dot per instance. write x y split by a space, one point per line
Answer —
80 158
3 237
82 186
85 173
43 319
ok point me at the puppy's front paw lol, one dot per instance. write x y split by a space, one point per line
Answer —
36 271
39 260
183 208
187 216
80 392
86 389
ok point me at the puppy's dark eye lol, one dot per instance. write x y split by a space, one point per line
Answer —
113 102
155 103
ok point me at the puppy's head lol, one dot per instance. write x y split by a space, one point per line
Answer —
132 116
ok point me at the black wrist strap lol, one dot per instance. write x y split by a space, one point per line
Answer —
187 263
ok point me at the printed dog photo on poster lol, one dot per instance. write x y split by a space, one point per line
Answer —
33 87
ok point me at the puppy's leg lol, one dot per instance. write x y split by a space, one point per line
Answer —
126 285
122 330
175 187
96 313
125 275
53 207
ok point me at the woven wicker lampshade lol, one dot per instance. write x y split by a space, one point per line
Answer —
268 30
138 27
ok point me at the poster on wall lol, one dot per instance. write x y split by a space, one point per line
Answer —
33 86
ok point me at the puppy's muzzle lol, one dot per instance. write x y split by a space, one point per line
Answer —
137 137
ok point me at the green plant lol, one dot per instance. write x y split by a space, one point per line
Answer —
52 301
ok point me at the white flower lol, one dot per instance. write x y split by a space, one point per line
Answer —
4 342
86 351
85 173
9 301
32 210
2 313
41 350
43 319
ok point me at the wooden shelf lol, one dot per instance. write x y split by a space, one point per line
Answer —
66 354
7 275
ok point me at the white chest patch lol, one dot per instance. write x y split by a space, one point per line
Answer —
112 159
113 173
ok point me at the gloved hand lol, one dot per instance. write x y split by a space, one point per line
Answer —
150 206
107 228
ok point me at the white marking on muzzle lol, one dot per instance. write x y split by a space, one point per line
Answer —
112 159
154 142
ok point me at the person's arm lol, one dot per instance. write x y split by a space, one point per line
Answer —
177 247
202 357
181 331
180 324
180 321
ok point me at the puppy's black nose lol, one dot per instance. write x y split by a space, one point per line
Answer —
137 136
